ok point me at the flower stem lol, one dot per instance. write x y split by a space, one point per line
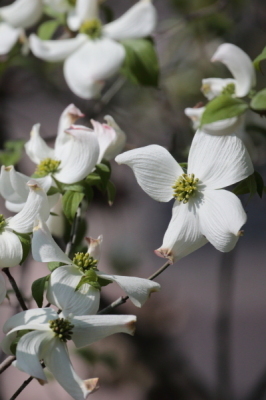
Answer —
123 300
6 363
74 229
15 288
21 388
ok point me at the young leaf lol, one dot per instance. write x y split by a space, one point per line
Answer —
259 58
223 107
141 62
25 243
12 152
37 289
258 102
252 184
111 191
104 172
52 190
70 203
47 29
52 265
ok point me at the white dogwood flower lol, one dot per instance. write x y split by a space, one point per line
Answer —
47 339
65 279
14 18
201 212
94 55
70 161
240 66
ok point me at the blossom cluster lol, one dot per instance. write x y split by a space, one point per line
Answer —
38 336
91 52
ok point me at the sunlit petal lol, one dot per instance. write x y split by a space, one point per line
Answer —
218 161
87 69
36 148
55 50
30 318
221 216
213 87
10 250
139 21
22 13
183 235
84 10
8 37
90 328
155 169
67 118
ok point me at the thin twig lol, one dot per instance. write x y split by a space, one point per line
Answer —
6 363
21 388
123 300
15 288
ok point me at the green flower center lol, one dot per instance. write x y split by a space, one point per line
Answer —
185 187
2 223
47 166
229 89
92 28
72 2
62 328
84 261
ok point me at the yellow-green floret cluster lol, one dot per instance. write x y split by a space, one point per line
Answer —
92 28
62 328
72 2
229 89
84 261
47 166
185 187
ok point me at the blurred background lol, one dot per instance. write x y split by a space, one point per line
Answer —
203 336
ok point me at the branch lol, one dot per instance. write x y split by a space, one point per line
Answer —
15 288
6 363
123 300
21 388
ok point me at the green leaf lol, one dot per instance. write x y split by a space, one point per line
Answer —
13 346
258 102
259 58
104 171
12 153
52 265
75 187
70 203
260 183
47 29
223 107
25 243
93 179
141 62
52 190
111 191
37 289
252 184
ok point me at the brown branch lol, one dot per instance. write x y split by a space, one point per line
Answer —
15 288
6 363
21 388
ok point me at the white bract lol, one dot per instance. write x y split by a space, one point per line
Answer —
14 17
47 342
11 251
65 279
241 67
222 127
94 55
201 213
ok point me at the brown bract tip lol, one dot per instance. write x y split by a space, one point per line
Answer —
132 327
92 384
240 233
41 381
165 253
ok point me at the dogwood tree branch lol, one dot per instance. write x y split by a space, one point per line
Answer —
21 388
6 363
122 300
16 289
